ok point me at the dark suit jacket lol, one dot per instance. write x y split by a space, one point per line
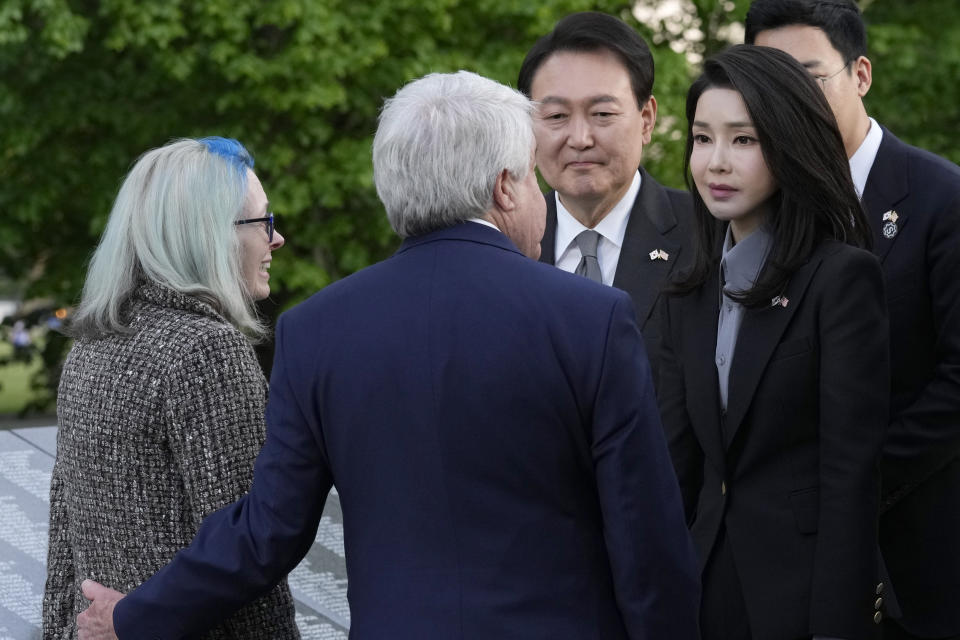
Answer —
791 469
920 525
491 428
661 218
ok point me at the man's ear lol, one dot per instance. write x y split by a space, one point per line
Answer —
864 71
503 192
648 113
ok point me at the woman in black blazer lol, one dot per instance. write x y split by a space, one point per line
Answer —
774 372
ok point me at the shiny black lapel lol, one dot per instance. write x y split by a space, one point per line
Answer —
759 336
887 185
701 313
652 226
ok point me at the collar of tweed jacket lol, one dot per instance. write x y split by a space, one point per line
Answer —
164 296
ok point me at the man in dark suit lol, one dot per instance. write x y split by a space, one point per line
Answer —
489 422
593 78
912 199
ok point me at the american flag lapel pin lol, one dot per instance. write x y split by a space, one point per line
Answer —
779 301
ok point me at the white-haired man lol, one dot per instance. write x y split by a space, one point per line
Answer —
489 422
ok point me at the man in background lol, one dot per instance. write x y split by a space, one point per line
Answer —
607 218
912 199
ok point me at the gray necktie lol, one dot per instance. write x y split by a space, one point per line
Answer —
589 267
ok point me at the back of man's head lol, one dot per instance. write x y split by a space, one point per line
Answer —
440 145
840 20
592 31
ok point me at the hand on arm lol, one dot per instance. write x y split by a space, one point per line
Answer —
96 623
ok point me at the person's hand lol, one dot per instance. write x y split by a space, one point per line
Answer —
96 623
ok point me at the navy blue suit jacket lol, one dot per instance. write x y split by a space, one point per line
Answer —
491 428
920 522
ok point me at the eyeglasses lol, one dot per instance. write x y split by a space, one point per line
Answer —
268 220
823 79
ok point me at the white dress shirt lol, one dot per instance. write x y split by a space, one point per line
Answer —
862 161
484 222
611 228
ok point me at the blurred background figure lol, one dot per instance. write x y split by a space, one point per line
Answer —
774 370
161 400
20 337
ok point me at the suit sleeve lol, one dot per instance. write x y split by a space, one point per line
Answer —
215 428
61 588
684 448
925 436
651 555
244 549
854 403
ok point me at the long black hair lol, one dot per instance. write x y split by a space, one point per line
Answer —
803 150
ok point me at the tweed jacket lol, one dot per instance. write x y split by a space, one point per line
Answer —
158 428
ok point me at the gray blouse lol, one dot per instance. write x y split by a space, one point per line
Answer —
739 268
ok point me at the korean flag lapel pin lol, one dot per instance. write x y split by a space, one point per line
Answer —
890 224
779 301
659 254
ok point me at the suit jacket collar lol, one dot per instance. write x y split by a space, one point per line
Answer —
760 333
651 221
887 185
651 226
163 295
465 231
702 317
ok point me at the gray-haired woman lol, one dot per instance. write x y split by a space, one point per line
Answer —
161 400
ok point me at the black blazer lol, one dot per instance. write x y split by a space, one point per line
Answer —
661 218
920 523
791 469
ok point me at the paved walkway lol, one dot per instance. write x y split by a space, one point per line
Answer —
319 583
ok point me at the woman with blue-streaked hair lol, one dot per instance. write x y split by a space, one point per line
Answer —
161 400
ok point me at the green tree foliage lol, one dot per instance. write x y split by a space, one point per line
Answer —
86 86
915 50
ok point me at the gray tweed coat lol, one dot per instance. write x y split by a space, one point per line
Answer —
157 429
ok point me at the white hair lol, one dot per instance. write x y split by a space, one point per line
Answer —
173 223
441 143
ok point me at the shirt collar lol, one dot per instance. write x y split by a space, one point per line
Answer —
862 161
741 262
484 222
613 226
